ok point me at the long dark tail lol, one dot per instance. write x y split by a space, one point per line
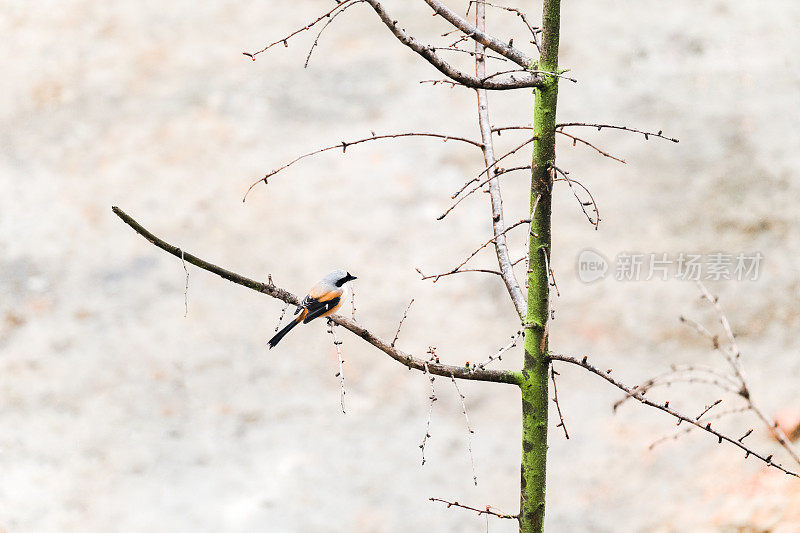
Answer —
282 333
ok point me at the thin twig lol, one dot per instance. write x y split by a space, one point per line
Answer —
565 175
669 410
400 325
470 431
561 424
647 134
514 54
462 271
429 53
470 52
684 431
481 247
481 184
432 398
535 31
345 144
499 355
283 314
353 303
550 270
732 354
344 6
590 145
185 288
489 166
285 40
487 511
708 408
683 374
337 343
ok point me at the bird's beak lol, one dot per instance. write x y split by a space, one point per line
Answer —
350 277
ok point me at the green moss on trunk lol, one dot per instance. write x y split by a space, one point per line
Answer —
533 379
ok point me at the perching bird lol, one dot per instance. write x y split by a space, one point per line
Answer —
323 299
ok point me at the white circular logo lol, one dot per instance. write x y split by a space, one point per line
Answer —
592 266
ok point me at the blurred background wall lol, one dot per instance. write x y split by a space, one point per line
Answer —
120 414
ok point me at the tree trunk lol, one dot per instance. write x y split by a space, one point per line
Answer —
534 376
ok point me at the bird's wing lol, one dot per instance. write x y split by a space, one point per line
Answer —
318 306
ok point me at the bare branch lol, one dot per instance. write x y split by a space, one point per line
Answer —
462 271
499 355
647 134
481 184
665 408
590 145
685 431
344 6
488 511
561 424
732 355
400 325
470 52
432 398
283 314
285 40
514 54
473 254
270 289
337 344
708 408
535 31
470 431
353 303
345 144
594 221
574 138
429 54
185 288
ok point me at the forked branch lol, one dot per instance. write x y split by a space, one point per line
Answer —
704 425
428 52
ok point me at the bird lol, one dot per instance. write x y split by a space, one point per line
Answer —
323 299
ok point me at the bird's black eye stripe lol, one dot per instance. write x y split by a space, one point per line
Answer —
345 279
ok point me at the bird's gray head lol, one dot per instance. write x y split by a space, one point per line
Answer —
339 277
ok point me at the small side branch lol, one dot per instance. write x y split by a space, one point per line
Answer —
470 431
432 398
646 134
344 145
591 203
561 424
285 40
428 52
185 288
498 356
590 145
476 188
671 411
400 325
509 52
457 269
487 511
337 344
